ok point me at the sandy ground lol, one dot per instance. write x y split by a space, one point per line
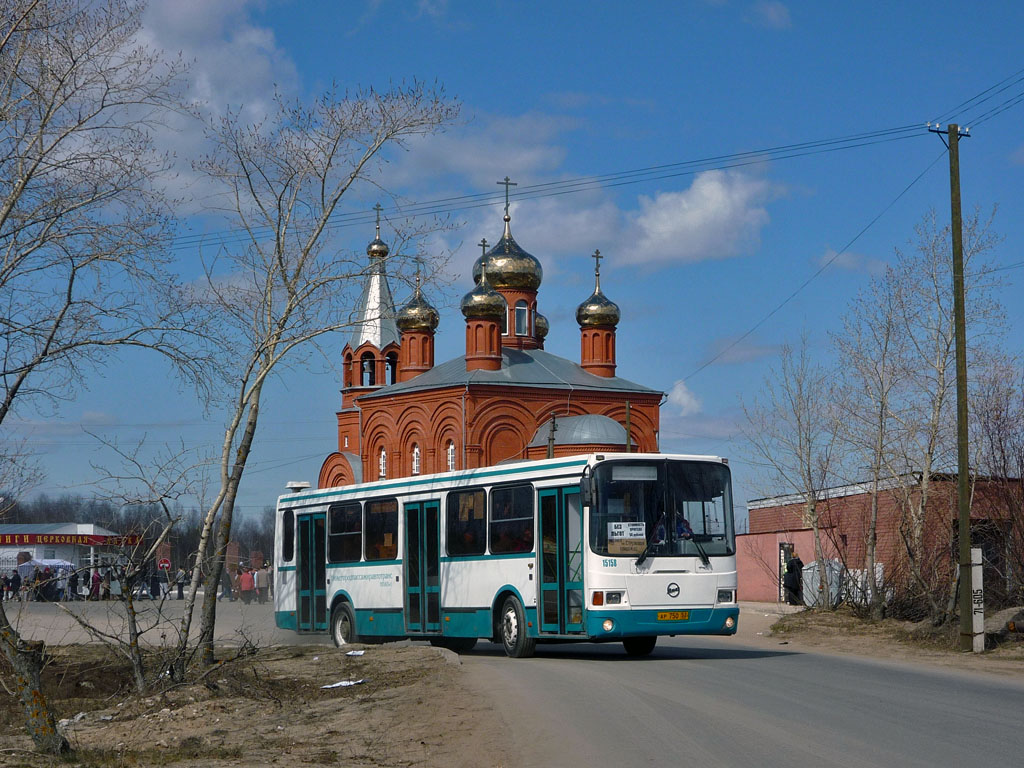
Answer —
413 706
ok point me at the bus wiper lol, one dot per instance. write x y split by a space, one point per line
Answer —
647 544
703 555
643 555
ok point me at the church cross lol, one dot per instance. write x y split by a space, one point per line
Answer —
378 208
597 261
483 245
507 183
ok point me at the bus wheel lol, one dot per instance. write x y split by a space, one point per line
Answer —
513 630
343 625
639 646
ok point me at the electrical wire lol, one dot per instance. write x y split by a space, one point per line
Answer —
458 203
810 279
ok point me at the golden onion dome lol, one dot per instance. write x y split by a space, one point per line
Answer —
418 314
541 326
598 309
377 247
483 301
509 266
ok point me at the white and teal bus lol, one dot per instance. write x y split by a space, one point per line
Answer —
602 547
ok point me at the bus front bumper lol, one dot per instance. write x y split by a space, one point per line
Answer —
636 622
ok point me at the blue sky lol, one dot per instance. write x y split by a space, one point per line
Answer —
556 91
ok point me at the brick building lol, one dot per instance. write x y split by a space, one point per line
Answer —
778 530
505 398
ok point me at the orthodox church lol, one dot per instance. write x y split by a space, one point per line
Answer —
505 399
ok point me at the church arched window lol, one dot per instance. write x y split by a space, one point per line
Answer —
383 463
416 460
368 370
450 453
391 364
522 318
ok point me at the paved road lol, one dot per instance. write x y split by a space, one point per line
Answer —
716 702
697 701
235 622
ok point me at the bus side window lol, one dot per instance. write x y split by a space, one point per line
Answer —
467 522
512 519
382 529
288 536
345 533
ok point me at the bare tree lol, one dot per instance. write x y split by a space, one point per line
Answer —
284 285
998 435
792 428
926 419
81 227
897 355
872 360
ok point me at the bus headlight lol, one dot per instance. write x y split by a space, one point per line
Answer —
730 623
726 596
608 625
613 598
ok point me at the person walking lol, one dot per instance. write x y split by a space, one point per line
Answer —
262 584
179 579
226 586
94 590
246 585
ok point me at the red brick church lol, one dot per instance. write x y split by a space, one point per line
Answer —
505 399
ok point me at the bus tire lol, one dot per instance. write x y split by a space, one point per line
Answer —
513 630
343 625
639 646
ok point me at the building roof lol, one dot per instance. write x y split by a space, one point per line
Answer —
82 529
519 367
374 317
590 429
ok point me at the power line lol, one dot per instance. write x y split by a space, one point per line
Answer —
977 98
585 183
823 267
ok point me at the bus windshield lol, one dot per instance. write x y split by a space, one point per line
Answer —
662 508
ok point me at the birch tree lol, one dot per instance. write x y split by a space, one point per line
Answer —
926 419
82 230
872 359
792 429
285 283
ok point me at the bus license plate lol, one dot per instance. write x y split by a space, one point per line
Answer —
673 615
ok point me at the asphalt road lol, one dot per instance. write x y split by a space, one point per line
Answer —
716 702
695 701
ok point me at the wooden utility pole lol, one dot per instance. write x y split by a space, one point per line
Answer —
963 487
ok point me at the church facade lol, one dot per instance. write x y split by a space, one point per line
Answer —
505 399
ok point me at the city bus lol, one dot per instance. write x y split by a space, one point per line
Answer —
620 547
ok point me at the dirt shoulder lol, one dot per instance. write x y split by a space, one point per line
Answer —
840 632
267 709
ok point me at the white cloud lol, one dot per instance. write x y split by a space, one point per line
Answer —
686 403
720 216
772 14
232 62
729 350
854 262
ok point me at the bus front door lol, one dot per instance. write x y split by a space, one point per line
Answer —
422 567
561 561
311 562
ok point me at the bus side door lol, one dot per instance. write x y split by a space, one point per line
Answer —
561 560
422 567
311 564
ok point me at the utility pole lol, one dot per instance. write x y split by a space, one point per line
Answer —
963 488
